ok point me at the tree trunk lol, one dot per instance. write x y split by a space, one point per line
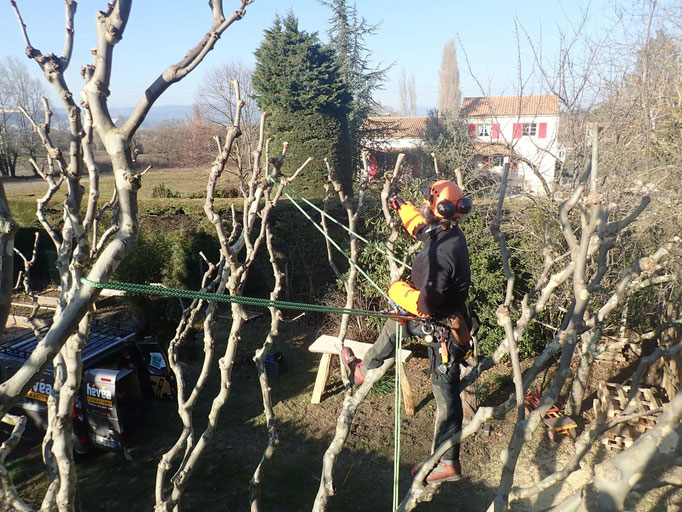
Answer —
8 229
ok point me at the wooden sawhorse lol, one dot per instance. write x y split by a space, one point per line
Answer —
326 345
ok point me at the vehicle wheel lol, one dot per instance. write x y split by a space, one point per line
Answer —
572 433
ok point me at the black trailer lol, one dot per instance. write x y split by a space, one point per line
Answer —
122 372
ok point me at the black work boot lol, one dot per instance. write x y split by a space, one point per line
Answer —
352 364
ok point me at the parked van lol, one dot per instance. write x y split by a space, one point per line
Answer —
122 373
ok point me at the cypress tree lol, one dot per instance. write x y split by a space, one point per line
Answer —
297 81
347 34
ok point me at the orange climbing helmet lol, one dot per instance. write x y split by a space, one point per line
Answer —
447 201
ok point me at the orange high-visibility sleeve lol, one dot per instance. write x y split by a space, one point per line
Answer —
410 216
405 296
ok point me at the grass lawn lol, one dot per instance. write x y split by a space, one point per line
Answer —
364 469
189 184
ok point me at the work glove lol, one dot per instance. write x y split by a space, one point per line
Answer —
462 352
396 200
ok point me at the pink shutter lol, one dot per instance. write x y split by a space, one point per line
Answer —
516 134
472 130
542 133
496 131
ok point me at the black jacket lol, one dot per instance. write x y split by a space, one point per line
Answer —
441 271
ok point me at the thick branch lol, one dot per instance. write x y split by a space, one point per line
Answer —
178 71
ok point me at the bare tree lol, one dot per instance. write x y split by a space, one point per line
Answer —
216 104
73 238
8 230
17 139
449 95
408 94
164 139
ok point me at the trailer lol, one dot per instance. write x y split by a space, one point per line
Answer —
122 373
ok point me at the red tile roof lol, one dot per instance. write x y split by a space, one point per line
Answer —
547 104
398 127
491 148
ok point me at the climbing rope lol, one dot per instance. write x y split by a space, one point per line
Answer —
350 260
396 419
340 224
146 289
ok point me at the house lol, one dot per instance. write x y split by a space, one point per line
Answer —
523 129
386 136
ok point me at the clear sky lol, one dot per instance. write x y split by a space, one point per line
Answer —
411 37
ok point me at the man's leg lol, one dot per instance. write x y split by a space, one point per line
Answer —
384 347
448 422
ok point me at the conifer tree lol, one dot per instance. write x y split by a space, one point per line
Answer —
298 82
449 95
347 34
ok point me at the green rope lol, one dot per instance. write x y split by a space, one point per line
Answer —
343 226
396 419
399 334
350 260
146 289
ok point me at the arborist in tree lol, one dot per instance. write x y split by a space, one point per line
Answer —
441 277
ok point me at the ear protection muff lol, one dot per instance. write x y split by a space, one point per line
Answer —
446 200
448 209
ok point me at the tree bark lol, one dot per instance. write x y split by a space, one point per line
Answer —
8 230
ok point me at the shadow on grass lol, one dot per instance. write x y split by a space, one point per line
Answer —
364 470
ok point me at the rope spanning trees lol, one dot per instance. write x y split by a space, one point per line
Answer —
147 289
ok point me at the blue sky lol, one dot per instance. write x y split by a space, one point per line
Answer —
411 36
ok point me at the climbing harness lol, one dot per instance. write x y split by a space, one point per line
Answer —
437 340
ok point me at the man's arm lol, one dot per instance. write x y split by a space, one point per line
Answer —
408 212
406 297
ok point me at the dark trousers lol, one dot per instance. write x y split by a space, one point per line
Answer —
445 386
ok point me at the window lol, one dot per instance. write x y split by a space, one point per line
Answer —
529 129
497 160
483 130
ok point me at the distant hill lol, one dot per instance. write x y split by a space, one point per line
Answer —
157 114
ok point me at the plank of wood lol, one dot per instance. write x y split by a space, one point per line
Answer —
406 388
321 379
326 344
44 300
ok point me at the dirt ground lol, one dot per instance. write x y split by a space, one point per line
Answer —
363 476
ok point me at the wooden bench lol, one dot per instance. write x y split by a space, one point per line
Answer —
327 346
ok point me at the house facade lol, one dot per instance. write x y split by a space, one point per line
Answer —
388 135
523 129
